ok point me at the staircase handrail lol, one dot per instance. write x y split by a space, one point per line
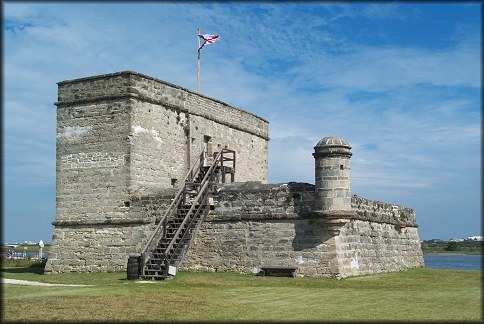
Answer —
199 209
202 193
197 205
155 235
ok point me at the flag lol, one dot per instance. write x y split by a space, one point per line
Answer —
208 39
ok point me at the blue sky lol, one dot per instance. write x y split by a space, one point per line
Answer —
401 82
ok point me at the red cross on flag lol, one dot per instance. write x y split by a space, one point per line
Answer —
208 39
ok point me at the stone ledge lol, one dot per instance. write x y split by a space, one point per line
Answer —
335 214
248 187
251 217
81 223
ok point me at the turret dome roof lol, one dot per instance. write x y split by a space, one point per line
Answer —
333 141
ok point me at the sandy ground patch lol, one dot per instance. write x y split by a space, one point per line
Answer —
35 283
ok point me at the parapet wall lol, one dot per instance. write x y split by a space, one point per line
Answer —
129 84
258 201
377 211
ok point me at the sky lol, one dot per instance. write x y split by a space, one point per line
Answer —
400 81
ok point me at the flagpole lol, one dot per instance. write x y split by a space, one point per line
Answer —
198 63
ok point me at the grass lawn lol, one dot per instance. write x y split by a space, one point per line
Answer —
413 295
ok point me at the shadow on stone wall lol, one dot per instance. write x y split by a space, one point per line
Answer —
309 233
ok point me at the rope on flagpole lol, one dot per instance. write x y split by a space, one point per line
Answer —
198 62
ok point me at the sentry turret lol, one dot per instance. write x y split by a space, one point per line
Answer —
332 174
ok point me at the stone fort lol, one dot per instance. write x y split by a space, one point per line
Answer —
150 171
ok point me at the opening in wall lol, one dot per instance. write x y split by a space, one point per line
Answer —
206 149
173 182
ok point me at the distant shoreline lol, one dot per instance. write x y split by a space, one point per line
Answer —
453 247
452 253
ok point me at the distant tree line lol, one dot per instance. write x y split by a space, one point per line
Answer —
30 248
465 247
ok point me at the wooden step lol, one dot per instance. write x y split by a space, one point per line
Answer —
152 277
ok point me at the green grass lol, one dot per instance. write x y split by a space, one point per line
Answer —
413 295
30 248
21 263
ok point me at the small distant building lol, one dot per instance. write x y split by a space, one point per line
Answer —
476 238
28 243
456 240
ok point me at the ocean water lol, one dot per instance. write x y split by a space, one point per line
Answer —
433 261
453 261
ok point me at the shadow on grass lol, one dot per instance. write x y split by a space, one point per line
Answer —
34 270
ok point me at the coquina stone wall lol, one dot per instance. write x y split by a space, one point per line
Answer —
96 247
123 139
368 247
255 225
125 142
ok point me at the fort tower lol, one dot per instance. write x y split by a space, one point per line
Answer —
332 174
124 141
125 144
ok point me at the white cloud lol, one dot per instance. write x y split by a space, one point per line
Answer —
410 111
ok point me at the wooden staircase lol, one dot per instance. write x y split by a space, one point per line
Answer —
176 230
